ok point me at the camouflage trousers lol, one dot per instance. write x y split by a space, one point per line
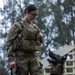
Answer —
28 65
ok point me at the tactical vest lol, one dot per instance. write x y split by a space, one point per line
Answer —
28 37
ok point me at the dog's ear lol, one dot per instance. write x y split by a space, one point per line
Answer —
49 60
41 64
50 52
63 59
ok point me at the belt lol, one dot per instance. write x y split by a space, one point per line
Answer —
26 53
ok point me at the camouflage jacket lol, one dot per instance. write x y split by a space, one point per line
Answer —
22 36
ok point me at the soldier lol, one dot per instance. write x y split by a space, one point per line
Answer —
23 43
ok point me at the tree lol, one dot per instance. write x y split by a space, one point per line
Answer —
55 19
63 23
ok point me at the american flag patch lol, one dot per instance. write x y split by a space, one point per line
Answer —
11 29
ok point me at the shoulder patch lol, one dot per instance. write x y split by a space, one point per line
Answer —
11 29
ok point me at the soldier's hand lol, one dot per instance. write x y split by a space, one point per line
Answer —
12 64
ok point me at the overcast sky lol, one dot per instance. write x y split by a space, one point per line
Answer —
1 3
1 6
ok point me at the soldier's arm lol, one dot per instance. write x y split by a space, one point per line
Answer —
39 35
13 32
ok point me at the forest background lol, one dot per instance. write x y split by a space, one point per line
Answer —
56 19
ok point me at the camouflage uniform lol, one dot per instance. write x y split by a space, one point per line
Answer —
22 44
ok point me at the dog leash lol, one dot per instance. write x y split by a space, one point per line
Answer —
8 71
